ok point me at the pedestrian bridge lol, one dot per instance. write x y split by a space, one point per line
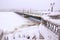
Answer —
37 13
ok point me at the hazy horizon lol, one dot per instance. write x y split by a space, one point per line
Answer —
29 4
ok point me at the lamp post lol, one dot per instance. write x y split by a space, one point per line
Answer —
52 4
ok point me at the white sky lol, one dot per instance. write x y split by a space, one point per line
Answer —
27 4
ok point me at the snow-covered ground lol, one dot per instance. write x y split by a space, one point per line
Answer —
55 21
23 34
10 20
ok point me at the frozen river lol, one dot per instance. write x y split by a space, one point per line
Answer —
10 20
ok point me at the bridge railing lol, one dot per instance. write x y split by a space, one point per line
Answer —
33 12
53 27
